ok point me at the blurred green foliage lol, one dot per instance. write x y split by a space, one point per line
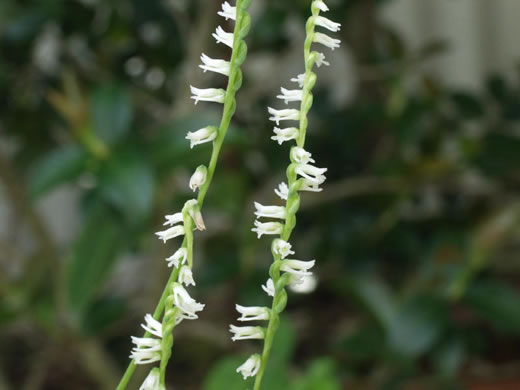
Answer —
416 233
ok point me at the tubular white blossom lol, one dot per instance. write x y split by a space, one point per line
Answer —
186 276
290 95
287 134
152 326
183 301
282 191
216 95
320 59
270 211
320 5
250 367
269 287
325 40
282 248
206 134
179 257
310 186
289 114
311 173
152 381
170 233
198 178
300 155
217 66
228 11
327 23
305 285
221 36
246 332
146 350
253 313
299 79
297 267
267 228
173 219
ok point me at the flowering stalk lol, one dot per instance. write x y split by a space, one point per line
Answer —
175 302
301 176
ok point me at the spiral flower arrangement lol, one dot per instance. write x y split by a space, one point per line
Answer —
175 304
302 175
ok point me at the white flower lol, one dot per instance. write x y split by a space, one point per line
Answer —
282 248
172 232
325 40
183 301
216 95
320 5
311 173
327 23
152 381
253 313
146 350
282 191
221 36
297 267
299 79
228 11
290 114
217 66
290 95
304 284
251 366
300 155
206 134
199 177
152 326
269 287
320 59
270 211
267 228
173 219
179 257
287 134
310 186
246 332
186 276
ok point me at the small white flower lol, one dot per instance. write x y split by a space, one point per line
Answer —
173 219
289 114
228 11
270 211
310 186
146 350
299 79
217 66
282 191
269 287
199 177
311 173
183 301
304 284
172 232
327 23
216 95
253 313
221 36
287 134
246 332
320 5
152 381
267 228
206 134
320 59
325 40
282 248
186 276
251 366
297 267
290 95
300 155
179 257
152 326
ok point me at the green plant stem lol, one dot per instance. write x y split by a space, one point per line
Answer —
238 55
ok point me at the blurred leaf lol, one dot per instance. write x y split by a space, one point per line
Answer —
449 357
319 376
468 105
57 167
103 313
275 376
111 112
223 375
365 344
499 155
